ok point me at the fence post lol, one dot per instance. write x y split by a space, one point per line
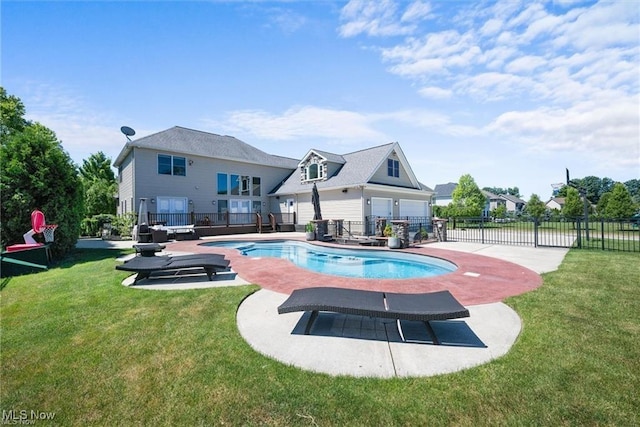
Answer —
535 232
578 223
602 232
482 229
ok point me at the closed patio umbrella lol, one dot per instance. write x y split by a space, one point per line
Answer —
315 201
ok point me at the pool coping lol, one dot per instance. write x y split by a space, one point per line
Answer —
479 279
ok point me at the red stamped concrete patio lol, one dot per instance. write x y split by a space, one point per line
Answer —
478 279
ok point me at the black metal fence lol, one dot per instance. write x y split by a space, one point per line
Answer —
416 223
602 233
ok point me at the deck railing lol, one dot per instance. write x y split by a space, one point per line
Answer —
213 219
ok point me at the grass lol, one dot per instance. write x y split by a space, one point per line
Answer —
78 344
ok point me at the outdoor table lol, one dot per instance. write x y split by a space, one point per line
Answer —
148 249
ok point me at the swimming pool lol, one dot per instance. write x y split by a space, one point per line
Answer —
362 263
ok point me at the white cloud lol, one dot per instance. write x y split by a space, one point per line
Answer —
373 18
82 129
303 122
337 127
607 133
286 20
563 78
416 11
434 92
606 24
491 27
525 64
493 86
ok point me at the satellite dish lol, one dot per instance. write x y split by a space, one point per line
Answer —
127 131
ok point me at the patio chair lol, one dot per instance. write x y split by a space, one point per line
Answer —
423 307
146 266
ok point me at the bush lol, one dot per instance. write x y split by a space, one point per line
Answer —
123 225
93 226
38 174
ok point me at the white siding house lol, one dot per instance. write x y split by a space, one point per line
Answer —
181 170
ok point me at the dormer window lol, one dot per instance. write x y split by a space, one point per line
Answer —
313 171
313 167
393 168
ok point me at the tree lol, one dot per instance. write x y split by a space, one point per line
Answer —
511 191
468 200
100 185
573 205
594 186
535 207
98 197
11 114
38 173
97 166
619 203
633 185
562 192
499 212
602 204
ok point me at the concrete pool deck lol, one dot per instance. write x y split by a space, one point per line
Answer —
356 346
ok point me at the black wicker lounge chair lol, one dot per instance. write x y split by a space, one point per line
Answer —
145 266
421 307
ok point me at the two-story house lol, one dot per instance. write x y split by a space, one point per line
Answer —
181 171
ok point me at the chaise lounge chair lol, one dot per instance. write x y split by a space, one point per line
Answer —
145 266
422 307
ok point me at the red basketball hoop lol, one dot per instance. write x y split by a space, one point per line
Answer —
37 221
48 231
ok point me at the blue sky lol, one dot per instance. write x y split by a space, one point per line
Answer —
511 92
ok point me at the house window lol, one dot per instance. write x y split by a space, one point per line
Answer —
245 185
223 184
393 168
172 165
179 166
235 185
256 186
164 164
313 171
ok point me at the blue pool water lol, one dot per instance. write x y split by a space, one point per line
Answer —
361 263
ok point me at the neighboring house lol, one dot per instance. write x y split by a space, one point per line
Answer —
182 170
493 201
556 203
514 204
444 193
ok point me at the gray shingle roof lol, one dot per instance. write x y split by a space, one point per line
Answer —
356 170
445 190
490 195
198 143
513 199
334 158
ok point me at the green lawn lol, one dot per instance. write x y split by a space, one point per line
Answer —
78 344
